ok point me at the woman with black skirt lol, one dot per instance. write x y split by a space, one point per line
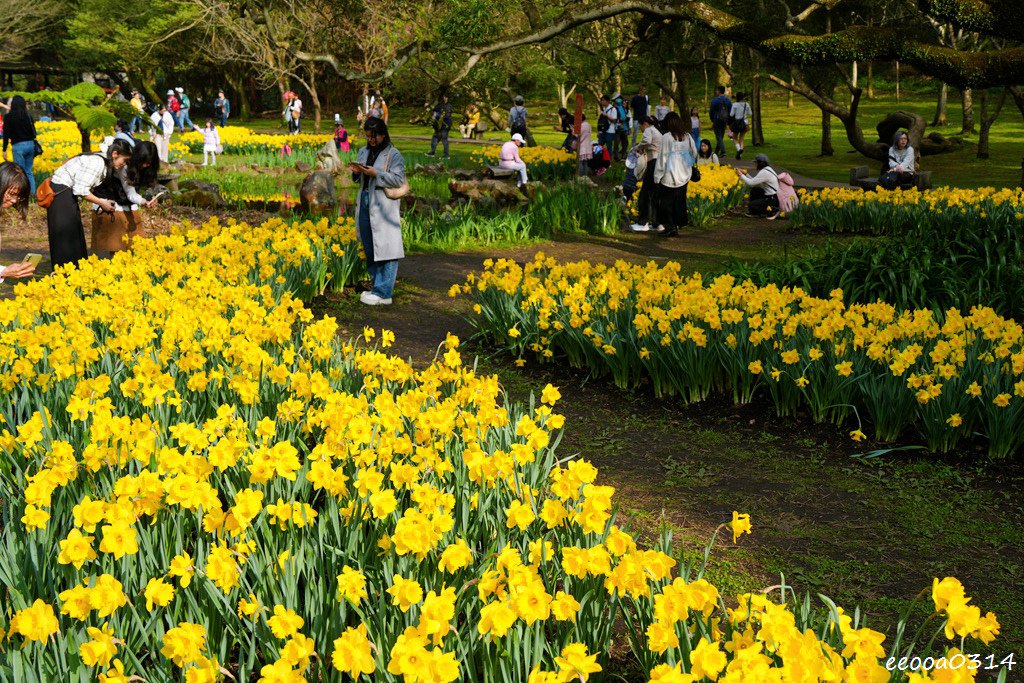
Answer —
77 177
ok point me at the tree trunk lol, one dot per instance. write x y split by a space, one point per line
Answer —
871 80
315 97
941 114
86 142
826 134
853 74
987 119
757 131
897 81
722 75
967 102
240 100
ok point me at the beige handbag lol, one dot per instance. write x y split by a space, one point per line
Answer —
401 190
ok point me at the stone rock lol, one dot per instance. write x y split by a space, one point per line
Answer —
531 189
465 174
318 195
201 199
504 194
429 169
422 206
303 167
192 184
586 181
327 158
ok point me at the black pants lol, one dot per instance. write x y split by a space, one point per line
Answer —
621 143
647 202
719 128
893 179
673 214
64 228
440 135
762 204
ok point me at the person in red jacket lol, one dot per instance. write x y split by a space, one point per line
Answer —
174 106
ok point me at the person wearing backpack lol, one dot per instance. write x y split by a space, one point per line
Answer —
738 122
720 107
77 177
517 121
441 121
173 106
672 174
183 120
606 123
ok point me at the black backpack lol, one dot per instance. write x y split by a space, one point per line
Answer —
603 123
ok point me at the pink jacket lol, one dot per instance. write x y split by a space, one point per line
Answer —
787 193
509 154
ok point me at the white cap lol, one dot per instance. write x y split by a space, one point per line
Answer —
180 89
170 92
518 138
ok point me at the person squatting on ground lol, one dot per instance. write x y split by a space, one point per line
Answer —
900 164
20 134
211 142
720 108
379 166
647 202
163 127
114 231
441 122
510 157
764 188
739 122
704 154
674 169
77 178
14 195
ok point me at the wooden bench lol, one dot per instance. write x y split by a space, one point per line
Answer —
499 173
859 178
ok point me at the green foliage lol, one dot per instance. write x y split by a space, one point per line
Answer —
90 117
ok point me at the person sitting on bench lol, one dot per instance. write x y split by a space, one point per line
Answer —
471 120
899 167
764 188
510 157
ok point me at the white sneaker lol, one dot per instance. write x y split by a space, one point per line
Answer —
660 228
371 299
640 227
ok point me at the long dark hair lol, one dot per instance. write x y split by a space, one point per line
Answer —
674 125
700 152
376 125
19 111
144 166
12 175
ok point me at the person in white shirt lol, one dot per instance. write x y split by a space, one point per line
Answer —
764 188
738 124
607 136
163 126
647 202
295 115
211 141
76 178
705 155
672 173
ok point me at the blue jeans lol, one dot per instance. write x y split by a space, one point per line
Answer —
382 273
223 120
183 120
695 134
24 154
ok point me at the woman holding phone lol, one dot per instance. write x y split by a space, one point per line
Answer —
14 193
379 166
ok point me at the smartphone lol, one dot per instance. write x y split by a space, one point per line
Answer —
34 259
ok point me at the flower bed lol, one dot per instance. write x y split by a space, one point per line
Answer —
690 338
62 140
244 141
542 163
204 482
899 212
718 191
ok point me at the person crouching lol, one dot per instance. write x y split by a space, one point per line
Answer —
764 188
114 230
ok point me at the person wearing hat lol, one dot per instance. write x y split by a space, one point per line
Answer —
510 157
764 188
163 126
517 122
173 106
622 129
183 120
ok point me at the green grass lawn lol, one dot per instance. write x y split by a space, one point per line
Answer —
792 138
